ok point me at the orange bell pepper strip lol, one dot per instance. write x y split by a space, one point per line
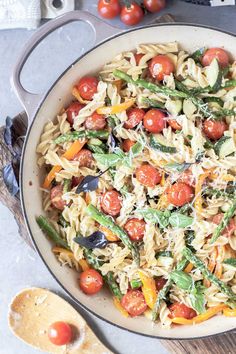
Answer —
163 179
149 289
83 264
119 307
198 189
229 312
63 250
188 268
110 236
200 318
69 155
118 108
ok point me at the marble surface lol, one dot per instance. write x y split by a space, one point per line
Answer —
20 267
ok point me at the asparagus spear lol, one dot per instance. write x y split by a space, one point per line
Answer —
218 193
106 221
190 256
51 232
81 134
224 222
229 83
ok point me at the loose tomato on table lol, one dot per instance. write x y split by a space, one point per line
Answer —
73 110
179 194
60 333
154 5
213 129
56 194
87 87
148 175
138 57
229 229
134 303
160 66
84 157
95 122
135 116
215 53
181 310
174 124
127 144
154 121
160 282
109 8
111 202
131 14
90 281
135 229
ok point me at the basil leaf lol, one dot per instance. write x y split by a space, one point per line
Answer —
179 167
230 261
180 220
197 297
181 279
155 216
136 149
107 160
96 240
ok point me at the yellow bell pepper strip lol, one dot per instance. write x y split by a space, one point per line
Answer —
75 93
118 108
69 155
119 307
228 178
83 264
198 190
229 312
200 318
163 179
149 289
188 268
162 202
110 236
63 250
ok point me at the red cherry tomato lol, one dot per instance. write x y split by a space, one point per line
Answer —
228 230
85 158
181 310
154 121
111 202
60 333
214 129
160 66
75 181
134 303
138 57
127 144
135 229
95 122
90 281
109 8
154 5
180 193
174 124
220 54
131 15
56 197
87 87
148 175
73 110
135 116
188 178
160 282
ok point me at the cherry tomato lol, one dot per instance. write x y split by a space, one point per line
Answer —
134 303
181 310
131 15
87 87
60 333
160 282
214 129
180 193
188 178
135 116
75 181
90 281
73 110
109 8
154 121
95 122
174 124
220 54
228 230
148 175
84 157
56 197
111 202
160 66
138 57
127 144
135 229
154 5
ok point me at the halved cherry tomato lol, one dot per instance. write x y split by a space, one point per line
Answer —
181 310
138 57
154 121
148 175
220 54
180 193
132 14
90 281
135 116
160 282
188 178
60 333
109 8
75 181
228 230
160 66
87 87
95 122
84 157
73 110
127 144
134 303
111 202
56 197
135 229
214 129
174 124
154 5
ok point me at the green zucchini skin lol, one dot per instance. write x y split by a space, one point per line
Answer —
163 148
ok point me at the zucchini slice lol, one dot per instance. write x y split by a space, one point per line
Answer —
214 75
158 142
215 100
189 108
173 106
225 146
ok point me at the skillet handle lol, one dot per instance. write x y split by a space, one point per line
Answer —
101 31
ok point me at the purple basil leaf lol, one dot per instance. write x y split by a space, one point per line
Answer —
8 131
10 180
88 184
96 240
112 142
